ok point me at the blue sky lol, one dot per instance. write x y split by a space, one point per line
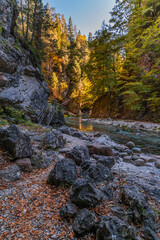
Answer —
86 14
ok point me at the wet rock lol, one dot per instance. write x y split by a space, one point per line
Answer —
83 222
100 150
79 154
11 173
68 211
157 163
105 160
24 164
15 142
98 173
139 162
53 139
130 145
84 193
136 150
113 228
64 172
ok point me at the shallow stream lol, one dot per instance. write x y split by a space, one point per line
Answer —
148 141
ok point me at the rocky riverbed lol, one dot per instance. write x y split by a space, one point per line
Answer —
66 184
130 125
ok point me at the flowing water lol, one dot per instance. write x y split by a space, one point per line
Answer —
148 141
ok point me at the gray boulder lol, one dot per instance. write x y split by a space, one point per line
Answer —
139 162
83 222
65 129
68 211
79 154
98 173
150 219
107 192
11 173
24 164
105 160
84 193
53 139
157 163
137 202
149 234
130 145
15 142
136 150
64 172
109 228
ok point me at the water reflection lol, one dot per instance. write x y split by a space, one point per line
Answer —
76 122
149 142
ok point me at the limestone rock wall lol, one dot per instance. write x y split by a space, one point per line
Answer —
21 84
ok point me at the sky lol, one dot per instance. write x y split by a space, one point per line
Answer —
88 15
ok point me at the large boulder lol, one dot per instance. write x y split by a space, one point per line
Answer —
98 173
137 202
109 228
15 142
83 222
64 172
79 154
69 210
107 161
53 139
11 173
100 149
84 193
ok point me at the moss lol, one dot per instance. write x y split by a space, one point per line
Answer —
3 122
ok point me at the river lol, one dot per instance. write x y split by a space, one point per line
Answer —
149 142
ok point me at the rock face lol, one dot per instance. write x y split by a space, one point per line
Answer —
22 86
15 142
10 174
